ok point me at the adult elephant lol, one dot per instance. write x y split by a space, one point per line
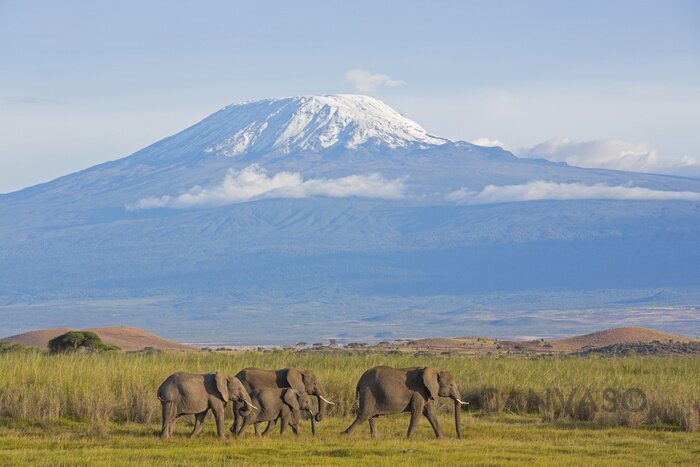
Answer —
196 394
383 390
295 378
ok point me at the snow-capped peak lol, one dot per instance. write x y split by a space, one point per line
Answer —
314 124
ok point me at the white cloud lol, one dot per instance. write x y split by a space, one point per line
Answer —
488 143
253 182
546 190
639 156
364 81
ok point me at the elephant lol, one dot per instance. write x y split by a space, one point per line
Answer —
295 378
285 404
384 390
195 394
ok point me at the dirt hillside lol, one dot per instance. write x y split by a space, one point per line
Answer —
126 337
616 336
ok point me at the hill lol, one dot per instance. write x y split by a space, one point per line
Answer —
126 337
616 336
617 341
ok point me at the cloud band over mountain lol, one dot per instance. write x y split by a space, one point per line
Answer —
253 182
545 190
636 156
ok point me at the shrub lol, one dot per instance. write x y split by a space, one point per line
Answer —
11 347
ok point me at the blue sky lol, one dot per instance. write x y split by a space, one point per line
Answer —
613 84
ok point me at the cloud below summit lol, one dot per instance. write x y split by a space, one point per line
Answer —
636 156
254 182
538 190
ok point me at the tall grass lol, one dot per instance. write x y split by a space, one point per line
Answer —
122 387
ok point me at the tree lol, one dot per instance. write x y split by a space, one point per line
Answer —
75 340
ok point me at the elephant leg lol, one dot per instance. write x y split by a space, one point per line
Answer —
164 420
236 421
269 427
169 412
416 410
283 426
361 418
295 428
219 417
429 412
244 424
172 425
198 423
373 427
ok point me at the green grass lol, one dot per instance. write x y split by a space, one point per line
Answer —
102 408
493 440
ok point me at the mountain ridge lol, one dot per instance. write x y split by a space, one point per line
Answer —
374 225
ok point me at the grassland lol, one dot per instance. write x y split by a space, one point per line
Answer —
489 440
101 408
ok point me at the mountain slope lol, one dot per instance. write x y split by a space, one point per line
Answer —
317 203
125 337
624 335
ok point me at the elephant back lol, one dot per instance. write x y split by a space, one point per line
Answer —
169 389
256 378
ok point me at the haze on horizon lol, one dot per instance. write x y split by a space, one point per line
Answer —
609 84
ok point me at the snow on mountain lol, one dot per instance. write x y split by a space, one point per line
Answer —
264 208
315 123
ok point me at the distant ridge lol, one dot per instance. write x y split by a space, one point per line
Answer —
613 336
652 341
126 337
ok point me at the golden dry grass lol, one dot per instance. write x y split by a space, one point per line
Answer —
101 409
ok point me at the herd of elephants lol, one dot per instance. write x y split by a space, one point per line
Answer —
269 395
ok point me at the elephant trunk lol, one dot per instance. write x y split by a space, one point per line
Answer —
242 410
458 411
245 405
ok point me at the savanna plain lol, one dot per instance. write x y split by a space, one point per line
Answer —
97 409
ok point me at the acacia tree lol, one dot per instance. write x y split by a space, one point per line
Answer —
75 340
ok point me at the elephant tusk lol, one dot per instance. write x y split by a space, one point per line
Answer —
326 400
311 412
251 405
462 402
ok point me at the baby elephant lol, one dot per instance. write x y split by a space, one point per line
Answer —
273 403
193 394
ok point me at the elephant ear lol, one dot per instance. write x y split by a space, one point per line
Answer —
291 398
295 378
222 385
430 379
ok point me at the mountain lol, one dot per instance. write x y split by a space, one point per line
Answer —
335 216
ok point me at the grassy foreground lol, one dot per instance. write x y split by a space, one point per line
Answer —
102 409
493 440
